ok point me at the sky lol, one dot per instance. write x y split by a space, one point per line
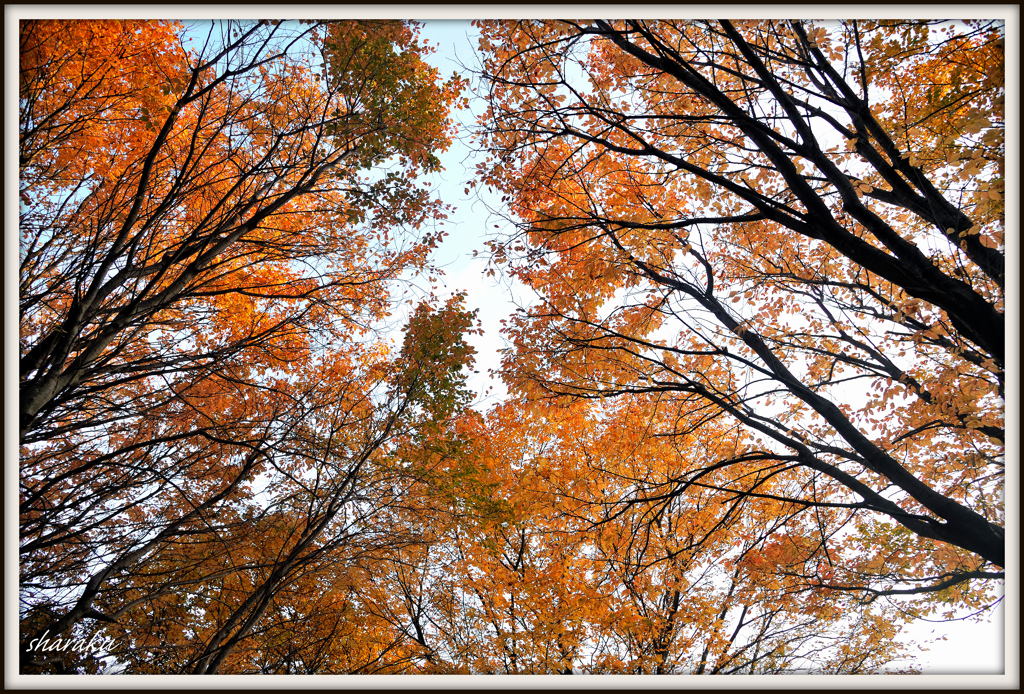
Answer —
475 218
961 647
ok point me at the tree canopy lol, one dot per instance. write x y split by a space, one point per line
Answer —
209 238
756 412
789 229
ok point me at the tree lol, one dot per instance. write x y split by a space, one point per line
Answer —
280 587
553 567
206 236
789 227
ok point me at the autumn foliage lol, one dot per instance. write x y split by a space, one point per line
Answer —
209 234
755 420
787 230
